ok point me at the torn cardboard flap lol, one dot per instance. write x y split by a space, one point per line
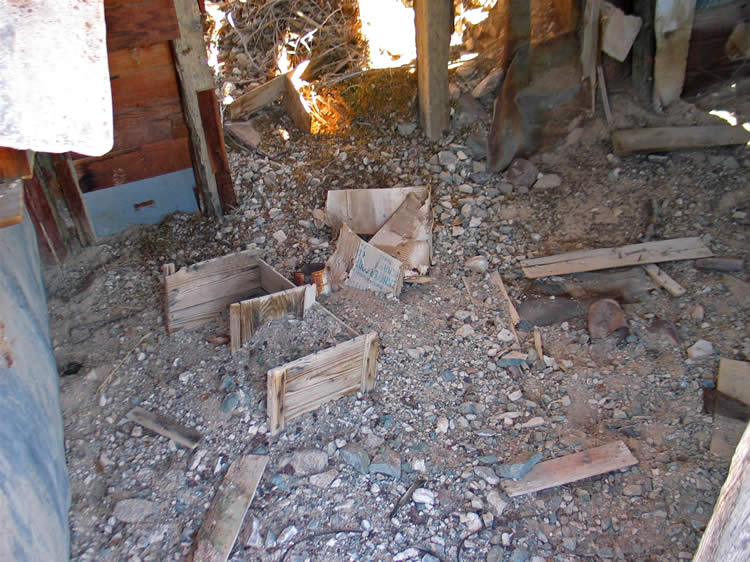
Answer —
407 234
367 210
356 263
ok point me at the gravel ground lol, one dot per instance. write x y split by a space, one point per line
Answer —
446 412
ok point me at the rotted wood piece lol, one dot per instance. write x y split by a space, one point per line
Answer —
166 426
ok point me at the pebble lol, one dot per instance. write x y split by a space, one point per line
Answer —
478 264
306 461
518 470
547 181
487 474
522 173
386 462
356 458
133 510
324 479
604 317
505 335
447 159
279 236
288 534
465 331
632 490
496 502
442 425
701 348
423 496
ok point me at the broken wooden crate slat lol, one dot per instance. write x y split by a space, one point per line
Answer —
222 523
367 210
305 384
165 426
199 293
605 258
663 280
247 316
661 139
571 468
407 234
257 98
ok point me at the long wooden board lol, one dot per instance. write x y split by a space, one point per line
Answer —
247 316
137 23
662 139
16 164
305 384
727 536
257 98
201 292
222 523
572 468
165 426
605 258
212 130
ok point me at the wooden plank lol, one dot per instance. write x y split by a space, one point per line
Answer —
201 292
271 281
662 139
407 234
673 24
67 179
496 280
734 379
720 264
166 426
139 23
235 326
222 523
664 280
370 362
132 165
365 211
727 536
590 46
434 25
11 203
643 51
257 98
195 76
217 152
276 394
603 94
15 164
571 468
145 87
295 106
253 313
137 59
618 31
42 211
605 258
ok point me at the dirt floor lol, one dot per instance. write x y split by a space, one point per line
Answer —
446 409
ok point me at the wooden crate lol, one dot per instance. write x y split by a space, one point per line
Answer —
201 292
307 383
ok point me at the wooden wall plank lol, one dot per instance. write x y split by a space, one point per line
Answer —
136 164
271 280
132 60
276 393
195 76
145 87
138 23
16 164
204 290
212 129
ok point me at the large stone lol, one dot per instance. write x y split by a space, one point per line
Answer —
522 173
518 470
306 461
546 312
357 458
133 510
700 349
387 462
604 317
489 84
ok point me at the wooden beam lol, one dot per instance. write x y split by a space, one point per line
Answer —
727 536
45 219
662 139
222 523
605 258
195 76
643 51
572 468
664 280
212 129
296 106
165 426
67 179
434 25
15 164
257 98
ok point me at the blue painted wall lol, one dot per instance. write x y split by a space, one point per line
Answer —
141 202
34 487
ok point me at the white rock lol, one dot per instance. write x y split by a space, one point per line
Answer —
279 236
324 479
497 503
701 348
505 335
479 264
533 422
465 331
424 496
472 521
442 425
133 510
514 396
410 552
547 181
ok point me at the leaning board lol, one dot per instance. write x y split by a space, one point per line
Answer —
605 258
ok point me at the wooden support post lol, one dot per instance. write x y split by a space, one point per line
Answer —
195 76
275 400
49 235
217 151
673 25
67 178
370 362
643 51
434 27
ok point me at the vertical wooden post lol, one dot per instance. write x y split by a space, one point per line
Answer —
217 152
195 76
673 25
434 25
67 179
643 51
369 362
275 399
235 327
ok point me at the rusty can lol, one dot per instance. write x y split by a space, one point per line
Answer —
299 278
320 278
